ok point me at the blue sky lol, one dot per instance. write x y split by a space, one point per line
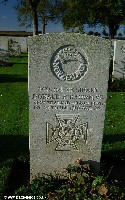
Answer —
8 20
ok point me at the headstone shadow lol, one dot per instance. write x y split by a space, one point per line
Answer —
4 78
13 146
20 175
114 138
116 154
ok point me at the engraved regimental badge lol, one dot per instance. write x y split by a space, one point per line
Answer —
69 64
66 132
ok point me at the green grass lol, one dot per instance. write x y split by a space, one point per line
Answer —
115 113
114 130
14 121
13 108
14 98
5 172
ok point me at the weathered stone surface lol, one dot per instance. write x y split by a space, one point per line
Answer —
119 59
68 80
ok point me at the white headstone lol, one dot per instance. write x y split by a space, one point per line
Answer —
119 59
14 47
4 55
68 80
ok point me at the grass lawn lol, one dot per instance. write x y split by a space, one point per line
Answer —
114 130
14 125
13 116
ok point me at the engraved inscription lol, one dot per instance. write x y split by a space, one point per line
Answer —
69 64
66 132
68 99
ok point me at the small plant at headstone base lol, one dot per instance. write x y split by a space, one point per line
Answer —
80 184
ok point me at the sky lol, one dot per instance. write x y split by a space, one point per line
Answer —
8 21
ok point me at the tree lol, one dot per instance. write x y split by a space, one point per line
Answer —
27 11
31 11
33 4
97 34
105 33
72 14
120 34
4 1
90 33
106 12
37 10
46 12
111 13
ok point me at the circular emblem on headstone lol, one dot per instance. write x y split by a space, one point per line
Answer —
69 64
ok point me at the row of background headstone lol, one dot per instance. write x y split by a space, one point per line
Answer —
17 45
20 43
119 59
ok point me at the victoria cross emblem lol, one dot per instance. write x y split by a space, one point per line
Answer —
66 132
